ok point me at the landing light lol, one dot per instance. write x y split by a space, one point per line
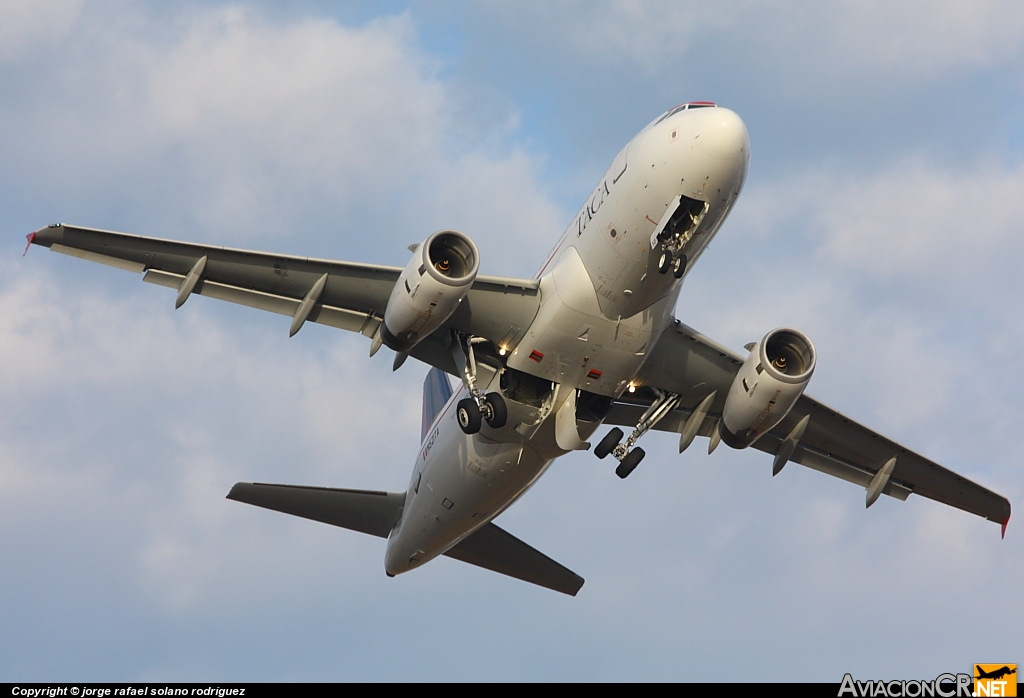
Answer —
632 388
501 351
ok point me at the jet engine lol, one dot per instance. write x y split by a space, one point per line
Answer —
430 288
768 384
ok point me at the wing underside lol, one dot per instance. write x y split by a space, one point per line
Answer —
353 297
686 362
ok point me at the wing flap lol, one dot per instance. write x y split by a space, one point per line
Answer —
495 549
840 438
830 464
352 286
350 320
686 362
354 298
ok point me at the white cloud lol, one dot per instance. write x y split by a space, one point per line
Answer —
919 219
926 38
233 125
116 412
123 423
34 27
794 42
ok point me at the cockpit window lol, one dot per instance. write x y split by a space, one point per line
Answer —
670 112
682 107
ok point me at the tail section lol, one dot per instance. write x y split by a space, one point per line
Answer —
376 513
436 393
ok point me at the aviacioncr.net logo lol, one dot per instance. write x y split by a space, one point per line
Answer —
942 686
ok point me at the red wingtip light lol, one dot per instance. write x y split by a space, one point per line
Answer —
1003 534
31 237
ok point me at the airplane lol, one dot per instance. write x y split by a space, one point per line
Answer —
994 674
542 364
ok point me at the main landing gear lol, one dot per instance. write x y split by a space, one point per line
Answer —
628 456
471 415
473 411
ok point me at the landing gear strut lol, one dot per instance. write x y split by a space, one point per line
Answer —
677 232
628 456
472 411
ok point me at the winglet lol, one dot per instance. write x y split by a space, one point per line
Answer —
31 237
1005 521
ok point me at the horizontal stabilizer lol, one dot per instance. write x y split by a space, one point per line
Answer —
496 549
376 513
366 511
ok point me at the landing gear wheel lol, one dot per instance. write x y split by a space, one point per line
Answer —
630 462
610 441
499 414
664 262
468 415
679 266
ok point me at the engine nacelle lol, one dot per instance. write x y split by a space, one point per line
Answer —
430 288
768 384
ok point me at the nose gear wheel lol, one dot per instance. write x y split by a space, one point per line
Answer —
665 262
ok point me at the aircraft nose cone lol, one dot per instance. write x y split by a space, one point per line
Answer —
723 134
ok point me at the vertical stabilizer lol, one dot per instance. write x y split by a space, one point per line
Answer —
436 392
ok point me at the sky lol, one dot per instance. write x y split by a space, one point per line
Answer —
882 216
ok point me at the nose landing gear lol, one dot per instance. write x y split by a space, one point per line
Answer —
675 232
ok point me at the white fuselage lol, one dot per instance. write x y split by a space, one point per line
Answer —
603 306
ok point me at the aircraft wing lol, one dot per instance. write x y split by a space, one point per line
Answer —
686 362
354 297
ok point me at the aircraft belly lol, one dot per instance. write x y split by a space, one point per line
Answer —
462 483
571 342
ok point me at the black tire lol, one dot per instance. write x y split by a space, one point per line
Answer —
630 462
679 266
664 262
499 413
610 441
468 415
